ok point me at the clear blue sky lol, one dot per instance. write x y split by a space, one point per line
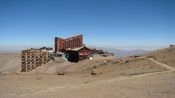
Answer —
110 23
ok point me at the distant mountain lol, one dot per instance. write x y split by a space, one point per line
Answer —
117 52
123 53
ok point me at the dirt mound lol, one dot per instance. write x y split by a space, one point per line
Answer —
114 66
166 56
96 71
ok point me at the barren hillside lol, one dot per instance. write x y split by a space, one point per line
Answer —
166 55
110 67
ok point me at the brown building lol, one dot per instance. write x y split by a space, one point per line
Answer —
77 54
69 43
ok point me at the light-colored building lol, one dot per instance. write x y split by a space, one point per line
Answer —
33 58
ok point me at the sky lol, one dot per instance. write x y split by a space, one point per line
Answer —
120 24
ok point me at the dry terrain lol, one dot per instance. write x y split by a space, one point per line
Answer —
149 76
166 56
10 62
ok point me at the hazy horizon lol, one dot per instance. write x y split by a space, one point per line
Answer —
19 48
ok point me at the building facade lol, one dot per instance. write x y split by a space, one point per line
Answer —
77 54
33 58
61 45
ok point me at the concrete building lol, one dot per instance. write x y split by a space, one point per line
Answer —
61 45
33 58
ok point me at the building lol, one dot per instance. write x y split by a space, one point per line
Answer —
48 49
77 54
61 45
71 48
96 51
33 58
171 46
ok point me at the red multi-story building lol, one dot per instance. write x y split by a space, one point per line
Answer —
62 45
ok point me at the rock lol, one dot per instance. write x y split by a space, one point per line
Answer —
96 71
126 61
60 73
134 56
94 66
114 62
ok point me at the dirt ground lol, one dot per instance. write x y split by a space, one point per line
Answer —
166 56
160 85
10 62
127 78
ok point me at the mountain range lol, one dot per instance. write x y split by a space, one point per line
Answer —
121 52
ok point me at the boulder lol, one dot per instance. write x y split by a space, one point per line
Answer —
96 71
60 73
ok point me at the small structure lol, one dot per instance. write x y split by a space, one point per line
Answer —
33 58
95 51
172 46
77 54
48 49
